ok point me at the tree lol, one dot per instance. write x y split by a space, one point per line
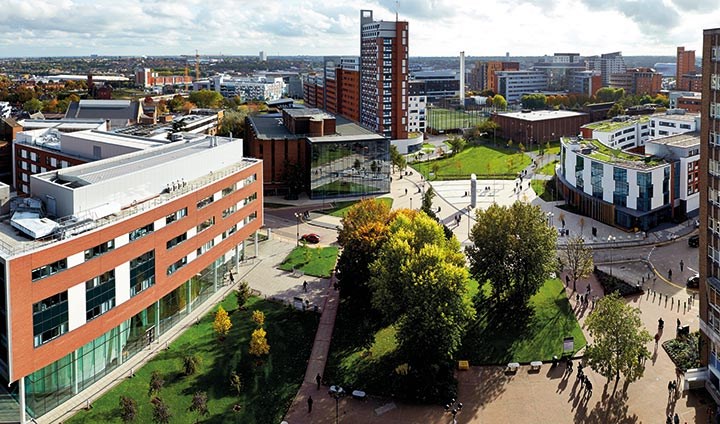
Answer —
236 382
499 102
457 144
512 248
578 258
198 404
619 339
156 383
206 99
609 94
534 101
161 412
33 105
419 283
258 343
258 317
615 110
397 159
176 103
233 122
191 363
242 294
427 200
222 323
128 409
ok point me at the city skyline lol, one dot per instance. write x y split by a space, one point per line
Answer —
437 27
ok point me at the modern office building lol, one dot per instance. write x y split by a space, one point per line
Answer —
686 77
438 84
584 82
559 69
673 121
691 103
638 81
620 132
336 158
512 85
107 256
608 64
417 107
540 126
710 213
384 76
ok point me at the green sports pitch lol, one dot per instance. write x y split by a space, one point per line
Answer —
446 119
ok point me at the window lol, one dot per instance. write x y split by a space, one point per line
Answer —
205 247
176 240
250 218
97 152
175 216
64 164
142 231
49 269
99 295
204 202
142 272
33 156
23 154
250 199
230 231
206 224
596 176
50 318
228 190
53 162
99 249
177 265
229 211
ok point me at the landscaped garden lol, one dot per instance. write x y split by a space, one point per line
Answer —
684 351
482 160
268 383
315 261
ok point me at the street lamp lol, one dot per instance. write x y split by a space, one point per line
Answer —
611 239
453 408
298 215
411 203
337 392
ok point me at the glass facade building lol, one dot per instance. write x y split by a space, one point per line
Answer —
346 167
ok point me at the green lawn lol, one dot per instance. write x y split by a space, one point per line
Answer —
341 208
498 162
269 385
548 169
501 336
315 261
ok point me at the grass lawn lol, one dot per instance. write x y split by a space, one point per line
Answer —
501 336
341 208
498 162
268 387
545 189
548 169
315 261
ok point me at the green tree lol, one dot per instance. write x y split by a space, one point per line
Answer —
206 99
222 323
609 94
33 105
156 383
242 294
198 404
534 101
457 144
427 200
233 122
396 159
578 258
161 412
513 249
619 339
176 104
191 364
419 283
499 102
128 409
615 110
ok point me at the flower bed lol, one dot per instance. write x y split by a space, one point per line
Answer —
684 351
611 283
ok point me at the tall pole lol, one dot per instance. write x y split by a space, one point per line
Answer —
297 228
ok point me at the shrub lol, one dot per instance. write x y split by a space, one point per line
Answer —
128 409
684 351
236 382
242 294
258 343
258 317
198 404
161 412
156 383
222 323
191 364
611 284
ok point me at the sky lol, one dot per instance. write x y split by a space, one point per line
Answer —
331 27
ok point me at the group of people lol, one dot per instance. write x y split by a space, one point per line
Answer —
585 381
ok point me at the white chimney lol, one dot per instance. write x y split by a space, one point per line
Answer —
462 79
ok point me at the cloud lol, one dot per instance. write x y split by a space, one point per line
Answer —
696 5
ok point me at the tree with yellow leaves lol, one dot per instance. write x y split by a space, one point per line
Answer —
258 343
258 317
222 323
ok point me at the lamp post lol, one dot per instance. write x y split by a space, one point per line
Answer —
298 215
337 392
611 239
453 408
411 203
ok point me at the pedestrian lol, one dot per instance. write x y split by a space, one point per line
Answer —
676 419
232 279
661 323
669 274
678 323
305 286
588 387
310 402
577 298
406 192
682 264
567 280
588 288
670 388
318 379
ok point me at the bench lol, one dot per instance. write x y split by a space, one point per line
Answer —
463 365
535 365
512 367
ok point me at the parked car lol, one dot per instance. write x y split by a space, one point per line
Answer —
311 238
694 281
694 241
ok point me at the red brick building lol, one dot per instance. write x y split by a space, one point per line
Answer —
533 127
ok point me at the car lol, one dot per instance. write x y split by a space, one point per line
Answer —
694 281
694 241
311 238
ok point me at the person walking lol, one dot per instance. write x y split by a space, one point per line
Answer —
310 402
305 286
682 264
318 379
669 274
676 419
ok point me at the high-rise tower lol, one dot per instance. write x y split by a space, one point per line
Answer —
384 76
